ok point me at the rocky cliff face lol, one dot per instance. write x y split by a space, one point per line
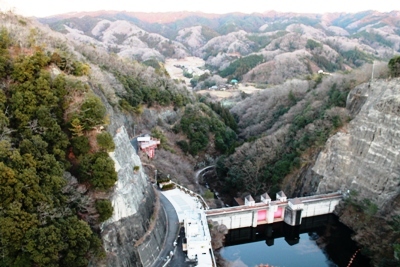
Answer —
364 156
131 186
130 228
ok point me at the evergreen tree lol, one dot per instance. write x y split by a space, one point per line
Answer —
394 66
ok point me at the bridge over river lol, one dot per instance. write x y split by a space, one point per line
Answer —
291 211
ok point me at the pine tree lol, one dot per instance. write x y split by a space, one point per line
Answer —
76 127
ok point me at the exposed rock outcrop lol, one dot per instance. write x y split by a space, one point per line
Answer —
137 221
365 156
131 186
218 232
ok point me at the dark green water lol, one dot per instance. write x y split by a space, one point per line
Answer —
320 242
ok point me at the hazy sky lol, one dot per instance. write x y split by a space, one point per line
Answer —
40 8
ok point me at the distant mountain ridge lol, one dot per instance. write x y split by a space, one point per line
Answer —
291 45
150 17
335 19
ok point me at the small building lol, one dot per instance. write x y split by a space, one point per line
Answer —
249 201
281 196
198 238
148 144
323 72
296 204
234 81
265 198
145 138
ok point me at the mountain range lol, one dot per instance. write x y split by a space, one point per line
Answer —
291 45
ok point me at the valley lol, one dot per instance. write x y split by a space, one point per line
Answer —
241 93
220 96
197 65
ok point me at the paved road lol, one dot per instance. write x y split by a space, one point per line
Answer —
172 231
196 177
179 258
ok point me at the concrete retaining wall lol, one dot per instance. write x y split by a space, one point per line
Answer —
319 208
150 249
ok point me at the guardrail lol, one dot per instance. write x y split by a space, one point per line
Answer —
205 206
190 192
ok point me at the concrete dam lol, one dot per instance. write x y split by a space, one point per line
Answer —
291 211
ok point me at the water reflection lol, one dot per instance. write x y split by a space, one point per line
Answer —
319 242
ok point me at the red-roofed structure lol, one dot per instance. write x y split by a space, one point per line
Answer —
148 145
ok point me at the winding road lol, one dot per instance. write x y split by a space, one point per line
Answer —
172 231
196 177
173 228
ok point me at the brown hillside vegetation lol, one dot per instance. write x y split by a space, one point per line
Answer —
281 123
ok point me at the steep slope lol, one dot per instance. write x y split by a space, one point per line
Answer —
59 109
283 127
46 217
363 160
371 137
125 39
130 231
195 37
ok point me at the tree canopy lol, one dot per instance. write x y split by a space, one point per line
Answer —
39 226
199 122
394 66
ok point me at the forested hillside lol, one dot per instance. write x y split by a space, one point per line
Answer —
59 102
39 207
263 49
283 125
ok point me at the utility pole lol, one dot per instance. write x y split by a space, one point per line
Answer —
372 74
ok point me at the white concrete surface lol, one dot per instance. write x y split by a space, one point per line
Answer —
191 213
182 202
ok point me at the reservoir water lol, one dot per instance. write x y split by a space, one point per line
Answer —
319 242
